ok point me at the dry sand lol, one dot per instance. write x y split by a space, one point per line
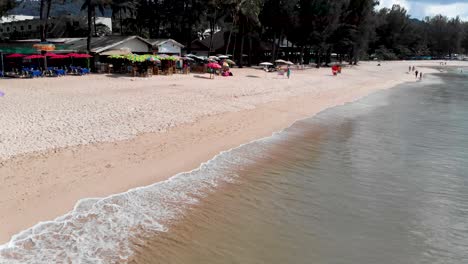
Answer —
64 139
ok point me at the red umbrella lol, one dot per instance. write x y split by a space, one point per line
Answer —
213 65
58 56
85 56
72 55
30 57
50 54
15 55
78 55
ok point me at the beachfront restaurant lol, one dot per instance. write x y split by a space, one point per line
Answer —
102 53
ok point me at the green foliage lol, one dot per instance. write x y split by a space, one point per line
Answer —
7 5
316 28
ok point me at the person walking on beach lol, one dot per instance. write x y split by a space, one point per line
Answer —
289 72
420 75
413 69
409 69
416 74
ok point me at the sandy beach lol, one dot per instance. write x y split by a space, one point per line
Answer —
65 139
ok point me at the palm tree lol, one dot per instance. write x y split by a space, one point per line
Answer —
248 13
90 6
119 6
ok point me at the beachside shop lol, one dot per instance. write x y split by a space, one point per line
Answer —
112 54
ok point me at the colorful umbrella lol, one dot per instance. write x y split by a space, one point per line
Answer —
213 65
15 55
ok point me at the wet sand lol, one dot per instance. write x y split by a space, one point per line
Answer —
71 138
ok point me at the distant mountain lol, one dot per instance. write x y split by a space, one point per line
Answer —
31 8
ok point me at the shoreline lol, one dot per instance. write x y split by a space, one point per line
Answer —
42 186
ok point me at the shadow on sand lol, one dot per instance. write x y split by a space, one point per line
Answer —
202 77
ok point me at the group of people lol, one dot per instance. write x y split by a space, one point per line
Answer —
418 74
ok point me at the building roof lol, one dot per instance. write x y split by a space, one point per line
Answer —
101 44
158 42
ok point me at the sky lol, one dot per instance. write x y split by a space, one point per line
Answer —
423 8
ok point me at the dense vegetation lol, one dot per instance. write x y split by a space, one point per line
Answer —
352 29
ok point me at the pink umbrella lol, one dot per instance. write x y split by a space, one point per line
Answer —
85 56
15 55
50 54
213 65
30 57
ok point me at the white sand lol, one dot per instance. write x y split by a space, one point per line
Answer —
202 117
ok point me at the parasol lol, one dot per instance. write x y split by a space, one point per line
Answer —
35 56
15 55
213 65
230 62
58 56
266 64
281 62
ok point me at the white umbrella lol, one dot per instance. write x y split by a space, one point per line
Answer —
281 61
223 57
289 63
266 64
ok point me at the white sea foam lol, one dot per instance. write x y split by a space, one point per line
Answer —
100 230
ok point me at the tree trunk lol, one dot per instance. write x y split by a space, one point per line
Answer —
212 28
318 59
94 22
273 50
250 51
41 17
230 34
301 58
90 30
46 19
234 47
241 61
120 18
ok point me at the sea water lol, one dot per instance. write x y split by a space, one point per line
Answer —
381 180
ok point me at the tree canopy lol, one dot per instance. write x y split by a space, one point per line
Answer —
352 29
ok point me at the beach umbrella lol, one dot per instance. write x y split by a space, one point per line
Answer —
266 64
289 63
72 55
230 62
83 56
58 56
223 57
281 62
213 65
15 55
188 58
50 54
34 56
153 59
